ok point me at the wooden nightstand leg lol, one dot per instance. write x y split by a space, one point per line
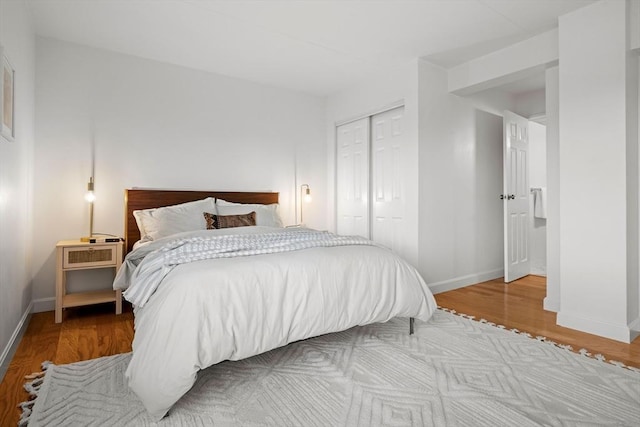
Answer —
118 301
60 278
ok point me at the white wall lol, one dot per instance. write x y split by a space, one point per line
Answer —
458 169
461 218
507 65
537 178
598 181
161 126
16 35
552 299
633 180
530 104
637 10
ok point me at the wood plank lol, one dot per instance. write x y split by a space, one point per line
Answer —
87 332
520 305
87 298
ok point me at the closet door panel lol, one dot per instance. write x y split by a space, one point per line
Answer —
389 227
352 184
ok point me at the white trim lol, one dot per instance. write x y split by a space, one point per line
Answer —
538 270
551 304
635 329
16 334
618 332
506 65
461 282
634 25
540 118
384 109
44 304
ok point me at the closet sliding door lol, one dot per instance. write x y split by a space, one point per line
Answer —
352 181
370 181
388 154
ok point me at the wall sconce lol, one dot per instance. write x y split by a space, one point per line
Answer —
90 197
304 198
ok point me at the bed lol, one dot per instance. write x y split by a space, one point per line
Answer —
204 296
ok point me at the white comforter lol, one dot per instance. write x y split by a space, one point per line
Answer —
207 311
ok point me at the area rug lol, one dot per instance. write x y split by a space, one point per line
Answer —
453 371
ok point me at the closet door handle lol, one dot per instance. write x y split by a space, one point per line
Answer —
511 196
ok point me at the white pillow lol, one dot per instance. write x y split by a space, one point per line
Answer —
157 223
266 215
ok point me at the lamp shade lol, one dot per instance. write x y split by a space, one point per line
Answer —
90 197
305 193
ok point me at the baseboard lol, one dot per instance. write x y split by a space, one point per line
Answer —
461 282
13 341
551 304
539 271
635 329
43 304
622 333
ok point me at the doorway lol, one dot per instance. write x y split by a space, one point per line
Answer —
524 196
538 184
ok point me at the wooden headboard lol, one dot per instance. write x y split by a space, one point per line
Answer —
140 198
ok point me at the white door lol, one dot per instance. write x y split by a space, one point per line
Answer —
516 196
388 197
352 183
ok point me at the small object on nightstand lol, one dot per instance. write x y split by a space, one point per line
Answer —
104 239
77 255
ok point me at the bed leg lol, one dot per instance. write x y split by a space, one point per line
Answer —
411 322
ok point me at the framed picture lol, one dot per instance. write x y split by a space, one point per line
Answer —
7 98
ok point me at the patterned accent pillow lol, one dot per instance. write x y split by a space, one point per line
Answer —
228 221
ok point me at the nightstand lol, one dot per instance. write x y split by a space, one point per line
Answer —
76 255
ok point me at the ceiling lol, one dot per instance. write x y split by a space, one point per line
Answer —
314 46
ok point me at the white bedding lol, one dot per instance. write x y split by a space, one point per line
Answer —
212 310
144 270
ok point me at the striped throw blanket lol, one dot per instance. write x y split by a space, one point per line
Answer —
144 269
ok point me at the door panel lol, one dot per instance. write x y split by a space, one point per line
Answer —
516 196
388 209
352 186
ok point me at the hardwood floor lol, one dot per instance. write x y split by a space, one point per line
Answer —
519 305
91 332
86 333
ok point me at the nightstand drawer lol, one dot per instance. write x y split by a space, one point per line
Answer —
93 256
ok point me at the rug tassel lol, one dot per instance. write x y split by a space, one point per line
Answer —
582 351
33 388
34 375
27 409
585 352
24 417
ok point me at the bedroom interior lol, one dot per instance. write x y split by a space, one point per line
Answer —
230 116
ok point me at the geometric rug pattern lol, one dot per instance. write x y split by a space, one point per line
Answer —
452 372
